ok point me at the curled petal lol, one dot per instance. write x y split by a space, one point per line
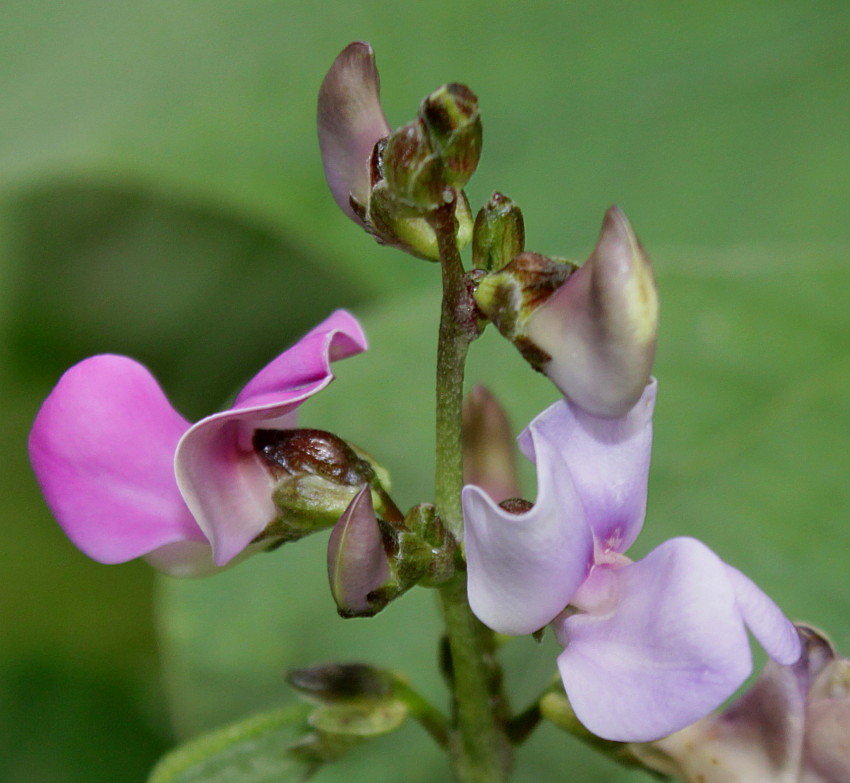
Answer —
224 483
351 121
523 569
674 648
102 448
774 632
608 460
600 327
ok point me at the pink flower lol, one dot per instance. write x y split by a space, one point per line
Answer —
127 476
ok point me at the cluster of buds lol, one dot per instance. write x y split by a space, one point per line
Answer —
375 553
389 181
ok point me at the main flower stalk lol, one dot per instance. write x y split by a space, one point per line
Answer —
479 746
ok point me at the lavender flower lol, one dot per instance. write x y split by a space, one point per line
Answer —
650 646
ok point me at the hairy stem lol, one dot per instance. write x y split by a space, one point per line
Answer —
478 745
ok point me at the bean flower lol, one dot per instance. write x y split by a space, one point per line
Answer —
649 646
127 476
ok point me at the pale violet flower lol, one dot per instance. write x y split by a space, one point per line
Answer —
649 646
127 476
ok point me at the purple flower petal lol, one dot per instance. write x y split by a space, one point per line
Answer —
608 460
600 327
351 121
523 569
672 650
774 632
357 562
102 448
224 483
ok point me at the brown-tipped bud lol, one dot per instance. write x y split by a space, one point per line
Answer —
331 683
316 475
454 125
489 453
498 235
358 568
594 334
510 297
413 169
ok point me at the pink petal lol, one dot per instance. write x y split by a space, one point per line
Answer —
524 569
674 648
357 562
222 480
351 121
608 460
102 448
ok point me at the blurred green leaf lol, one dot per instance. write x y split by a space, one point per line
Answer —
254 750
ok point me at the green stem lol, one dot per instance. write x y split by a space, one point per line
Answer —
479 748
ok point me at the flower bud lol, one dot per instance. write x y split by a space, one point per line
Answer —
387 181
413 169
454 126
489 454
316 475
594 332
358 566
332 683
499 234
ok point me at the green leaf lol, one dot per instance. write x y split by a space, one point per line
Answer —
254 750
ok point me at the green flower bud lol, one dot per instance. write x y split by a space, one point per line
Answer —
413 169
499 234
454 126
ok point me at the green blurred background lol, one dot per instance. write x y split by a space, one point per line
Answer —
161 195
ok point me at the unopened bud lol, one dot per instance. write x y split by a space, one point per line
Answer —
592 331
499 234
332 683
413 169
358 568
454 126
316 476
489 452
